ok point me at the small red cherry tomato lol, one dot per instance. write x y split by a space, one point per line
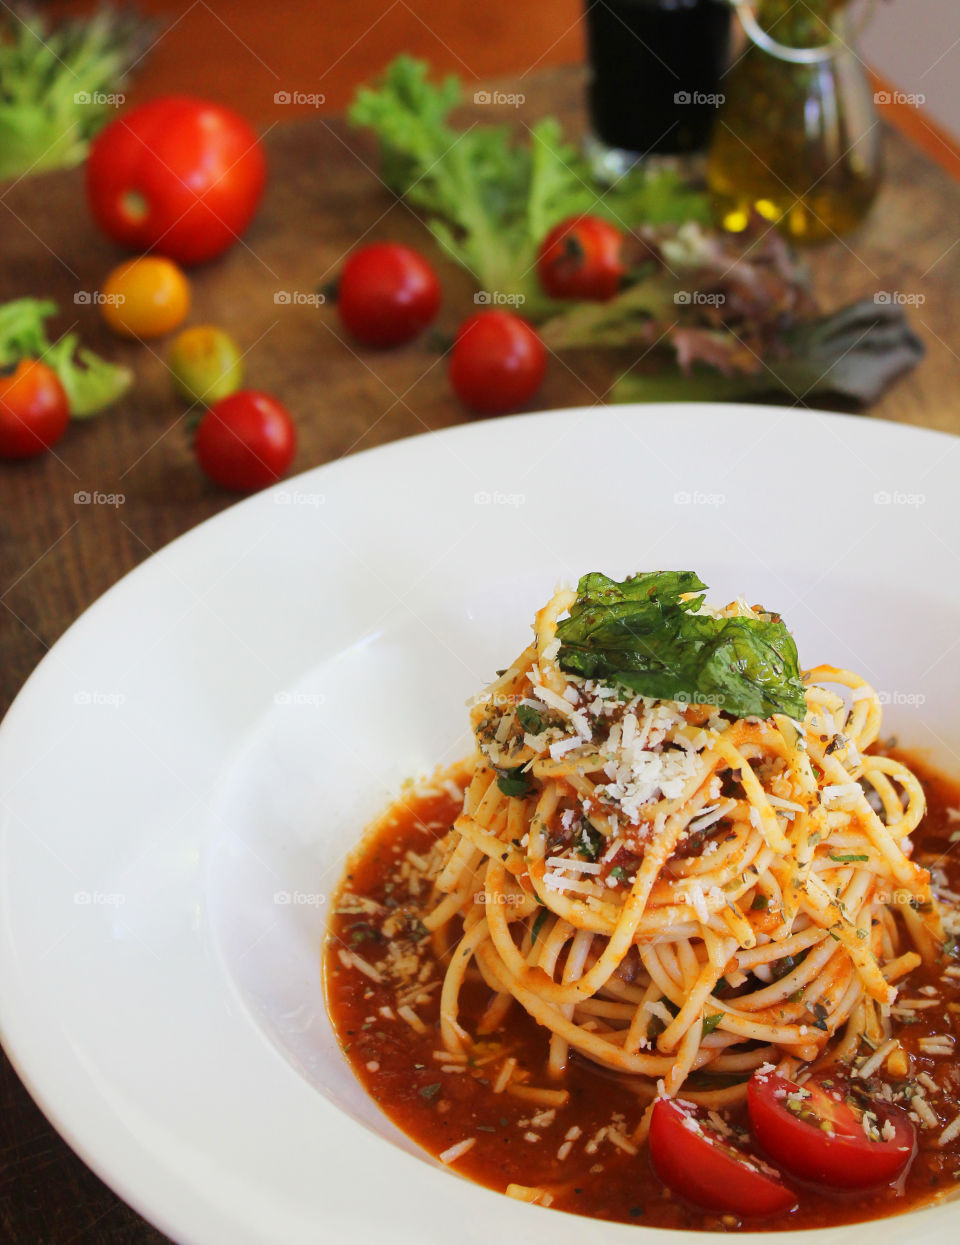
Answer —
387 294
706 1168
34 410
246 441
497 362
582 257
818 1132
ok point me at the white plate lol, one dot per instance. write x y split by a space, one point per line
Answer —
210 738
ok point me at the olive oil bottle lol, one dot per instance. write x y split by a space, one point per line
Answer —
797 140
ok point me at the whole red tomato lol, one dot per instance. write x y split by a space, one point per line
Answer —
387 294
582 257
178 176
497 362
246 441
34 410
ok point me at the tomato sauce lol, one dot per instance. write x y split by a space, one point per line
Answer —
567 1150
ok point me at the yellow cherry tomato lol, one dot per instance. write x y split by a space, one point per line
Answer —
206 364
145 297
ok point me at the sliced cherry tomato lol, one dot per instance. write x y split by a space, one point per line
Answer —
145 297
497 362
582 257
178 176
701 1165
34 410
246 441
816 1131
387 294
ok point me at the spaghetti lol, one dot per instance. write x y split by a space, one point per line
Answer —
668 888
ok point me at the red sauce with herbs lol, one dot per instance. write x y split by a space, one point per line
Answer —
520 1142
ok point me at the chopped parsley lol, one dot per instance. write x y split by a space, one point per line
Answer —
538 925
530 720
848 859
514 782
710 1023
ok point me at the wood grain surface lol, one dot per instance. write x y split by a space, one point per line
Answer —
58 553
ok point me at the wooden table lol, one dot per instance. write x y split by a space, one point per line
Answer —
57 554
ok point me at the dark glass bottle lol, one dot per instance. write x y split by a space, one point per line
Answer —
655 68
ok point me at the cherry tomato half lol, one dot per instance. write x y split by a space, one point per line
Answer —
387 294
582 257
698 1164
145 297
816 1131
246 441
34 410
179 176
497 362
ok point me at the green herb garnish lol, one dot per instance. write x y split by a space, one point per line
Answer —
588 841
429 1091
530 720
538 925
640 634
619 873
710 1023
514 782
760 903
848 859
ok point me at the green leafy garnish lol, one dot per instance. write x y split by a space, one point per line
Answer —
538 925
531 721
619 873
514 782
710 1023
588 841
59 87
641 634
848 859
90 383
490 199
760 903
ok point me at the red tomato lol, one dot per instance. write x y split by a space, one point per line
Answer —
387 294
34 410
497 362
700 1165
178 176
788 1121
582 257
246 441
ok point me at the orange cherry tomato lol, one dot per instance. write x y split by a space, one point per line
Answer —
145 297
